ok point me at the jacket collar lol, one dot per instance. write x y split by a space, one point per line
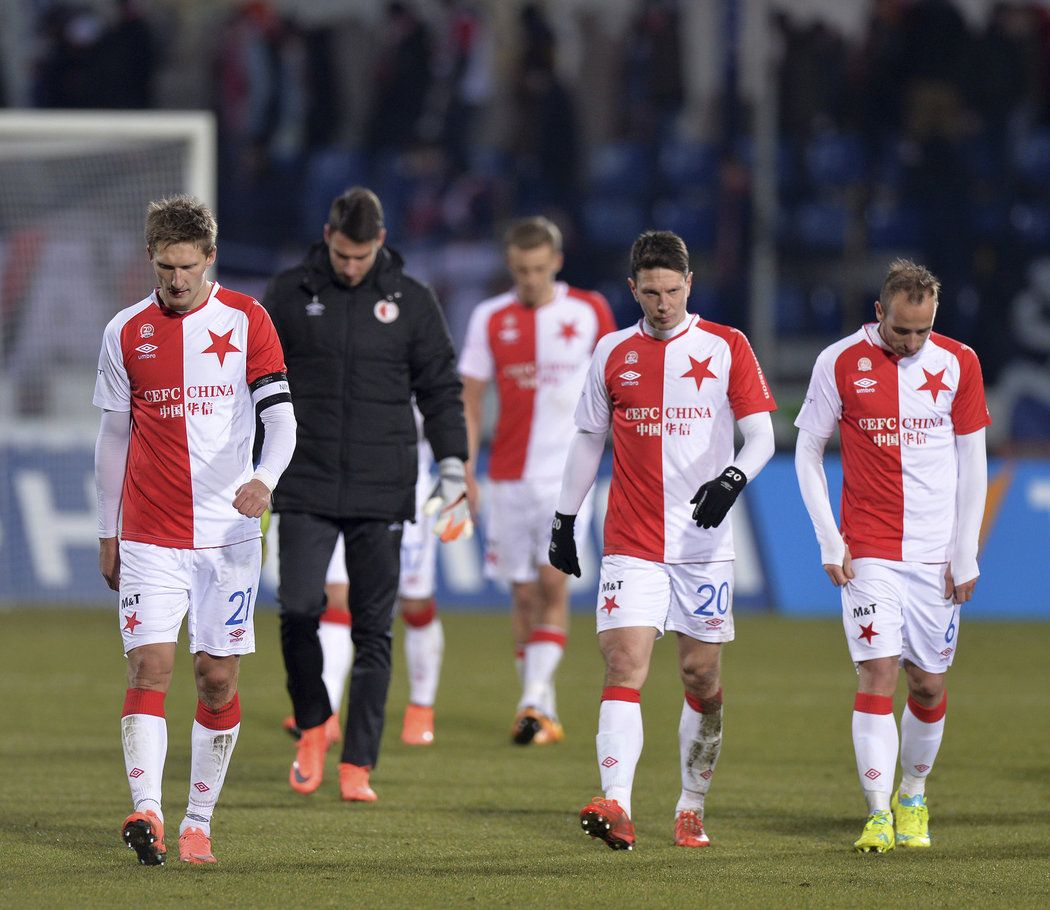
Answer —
384 277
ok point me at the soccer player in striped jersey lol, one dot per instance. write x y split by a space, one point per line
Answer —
672 387
910 410
181 376
534 342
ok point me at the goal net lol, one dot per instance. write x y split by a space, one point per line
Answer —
73 194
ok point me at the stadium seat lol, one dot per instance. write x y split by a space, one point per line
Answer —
620 168
1031 224
1032 159
891 226
694 220
329 171
1030 421
835 160
687 164
612 221
820 226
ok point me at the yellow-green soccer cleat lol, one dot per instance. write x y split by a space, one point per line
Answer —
877 836
913 820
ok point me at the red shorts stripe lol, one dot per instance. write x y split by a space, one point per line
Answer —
929 715
144 701
227 716
873 704
621 693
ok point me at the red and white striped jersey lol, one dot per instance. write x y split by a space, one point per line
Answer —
191 382
897 419
671 404
538 357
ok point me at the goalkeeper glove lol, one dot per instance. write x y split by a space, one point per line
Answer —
562 552
449 500
715 498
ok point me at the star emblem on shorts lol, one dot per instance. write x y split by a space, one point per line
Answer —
867 632
220 346
132 621
698 371
934 383
609 605
568 331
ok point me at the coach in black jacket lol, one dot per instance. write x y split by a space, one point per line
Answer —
361 338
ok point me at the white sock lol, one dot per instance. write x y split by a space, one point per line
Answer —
699 744
212 740
619 742
875 745
543 653
338 652
922 730
144 735
424 648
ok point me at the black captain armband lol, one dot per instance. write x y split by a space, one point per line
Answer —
269 390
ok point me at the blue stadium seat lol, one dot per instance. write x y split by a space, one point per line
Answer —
792 317
694 220
686 164
1031 223
820 226
891 226
329 171
613 222
620 168
1030 421
835 160
1032 159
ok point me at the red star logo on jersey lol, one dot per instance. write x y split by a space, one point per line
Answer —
220 346
698 370
609 605
568 331
867 633
934 383
133 621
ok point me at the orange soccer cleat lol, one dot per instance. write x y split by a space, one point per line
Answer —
418 726
144 833
195 847
606 820
308 767
353 784
689 830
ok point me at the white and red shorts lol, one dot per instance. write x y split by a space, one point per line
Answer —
418 552
518 516
694 598
892 609
215 587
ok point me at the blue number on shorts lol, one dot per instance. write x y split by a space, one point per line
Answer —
244 599
719 598
950 633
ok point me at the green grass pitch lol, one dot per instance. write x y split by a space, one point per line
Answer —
475 821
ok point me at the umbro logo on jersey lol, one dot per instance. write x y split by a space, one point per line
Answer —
146 348
866 384
630 377
509 335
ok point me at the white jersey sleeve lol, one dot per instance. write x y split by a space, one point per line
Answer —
476 359
594 410
112 386
822 407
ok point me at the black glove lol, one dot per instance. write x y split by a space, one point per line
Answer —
715 498
562 552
